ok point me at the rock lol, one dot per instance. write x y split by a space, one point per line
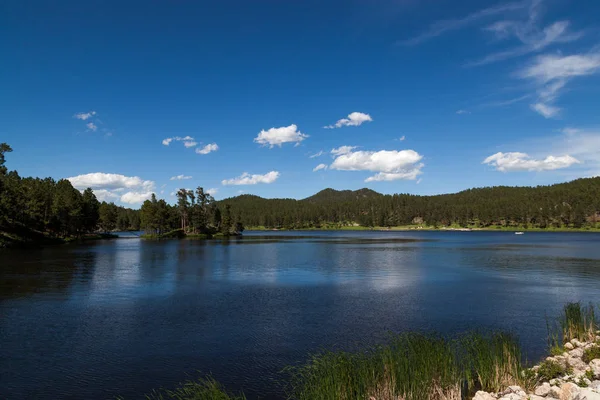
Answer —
576 343
576 353
512 396
595 385
587 381
481 395
554 392
535 397
595 366
569 346
543 390
569 391
588 394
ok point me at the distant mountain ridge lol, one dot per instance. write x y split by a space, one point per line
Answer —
574 204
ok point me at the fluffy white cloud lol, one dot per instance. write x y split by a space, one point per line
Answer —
100 180
354 119
109 187
247 179
551 73
212 191
402 138
180 177
342 150
516 161
319 167
135 197
208 148
278 136
188 141
318 154
84 116
91 126
389 164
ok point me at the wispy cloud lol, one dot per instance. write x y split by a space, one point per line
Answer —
318 154
180 178
550 73
208 148
460 112
320 167
212 191
354 119
342 150
91 126
84 116
279 136
440 27
188 141
247 179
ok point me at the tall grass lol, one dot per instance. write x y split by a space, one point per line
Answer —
413 367
201 389
578 322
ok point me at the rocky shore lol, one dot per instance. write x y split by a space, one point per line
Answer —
578 376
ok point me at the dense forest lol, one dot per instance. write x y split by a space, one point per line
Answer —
574 204
36 206
36 210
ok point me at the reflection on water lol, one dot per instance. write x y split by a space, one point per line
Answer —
121 317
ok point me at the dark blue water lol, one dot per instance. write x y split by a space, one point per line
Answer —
124 316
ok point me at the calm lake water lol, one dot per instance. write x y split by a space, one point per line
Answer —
121 317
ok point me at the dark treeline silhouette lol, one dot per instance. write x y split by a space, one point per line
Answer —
574 204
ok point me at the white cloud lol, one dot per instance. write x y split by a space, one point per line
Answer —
402 138
516 161
463 112
319 167
100 180
135 197
546 110
551 72
208 148
318 154
188 141
440 27
279 136
342 150
354 119
84 116
389 164
532 38
212 191
247 179
109 187
180 178
91 126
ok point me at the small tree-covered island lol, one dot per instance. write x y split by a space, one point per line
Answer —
36 210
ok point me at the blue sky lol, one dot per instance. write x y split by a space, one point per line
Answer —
400 96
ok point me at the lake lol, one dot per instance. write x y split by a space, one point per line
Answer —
120 317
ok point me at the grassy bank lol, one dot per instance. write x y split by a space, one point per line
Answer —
414 366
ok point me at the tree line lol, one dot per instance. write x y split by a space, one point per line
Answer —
574 204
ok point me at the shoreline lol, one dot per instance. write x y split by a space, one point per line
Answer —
425 229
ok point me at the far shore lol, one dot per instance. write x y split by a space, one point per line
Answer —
413 228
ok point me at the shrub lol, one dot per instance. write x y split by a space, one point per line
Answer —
591 353
550 369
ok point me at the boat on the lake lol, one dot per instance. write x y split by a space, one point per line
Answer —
519 233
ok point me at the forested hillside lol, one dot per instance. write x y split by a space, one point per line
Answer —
574 204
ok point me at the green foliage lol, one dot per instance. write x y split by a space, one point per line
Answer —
201 389
569 205
550 369
591 353
578 322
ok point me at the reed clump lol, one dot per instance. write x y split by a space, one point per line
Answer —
413 367
579 322
201 389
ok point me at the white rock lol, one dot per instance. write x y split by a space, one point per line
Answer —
576 353
595 366
480 395
569 391
595 385
535 397
543 390
569 346
577 343
512 396
588 394
554 392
